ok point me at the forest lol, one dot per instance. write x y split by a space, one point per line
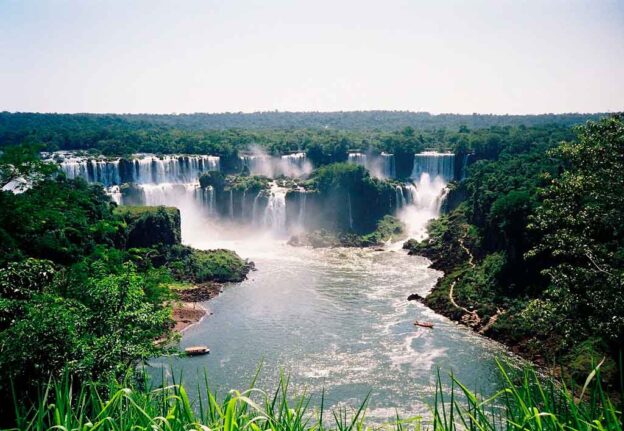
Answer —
531 243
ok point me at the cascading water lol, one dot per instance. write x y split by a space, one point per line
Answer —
401 202
103 171
258 164
302 208
289 165
388 169
358 159
431 173
435 164
382 166
149 169
144 169
464 167
295 165
206 196
231 205
350 211
275 212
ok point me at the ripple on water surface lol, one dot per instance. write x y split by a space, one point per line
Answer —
336 319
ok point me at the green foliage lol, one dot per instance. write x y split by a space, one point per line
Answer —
248 184
150 226
213 179
325 137
23 163
90 323
526 402
200 266
581 225
389 228
59 220
344 190
544 223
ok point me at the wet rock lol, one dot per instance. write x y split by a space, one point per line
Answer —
415 297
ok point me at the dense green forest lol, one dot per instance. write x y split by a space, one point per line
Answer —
531 243
532 246
274 120
117 135
84 286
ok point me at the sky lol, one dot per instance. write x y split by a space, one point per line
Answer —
441 56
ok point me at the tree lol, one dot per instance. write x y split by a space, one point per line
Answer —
581 221
21 165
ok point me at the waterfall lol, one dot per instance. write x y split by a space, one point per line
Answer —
289 165
350 211
302 207
382 167
294 165
207 198
115 194
141 169
231 204
435 164
431 173
254 208
358 159
243 206
259 164
275 212
103 171
400 197
464 167
388 169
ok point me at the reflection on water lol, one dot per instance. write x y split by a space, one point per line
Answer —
336 319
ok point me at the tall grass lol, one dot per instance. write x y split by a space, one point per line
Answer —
526 402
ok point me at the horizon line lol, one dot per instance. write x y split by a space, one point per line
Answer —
276 111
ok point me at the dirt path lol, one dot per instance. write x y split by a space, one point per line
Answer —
491 321
471 318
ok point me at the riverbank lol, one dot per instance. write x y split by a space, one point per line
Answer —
461 294
188 310
474 292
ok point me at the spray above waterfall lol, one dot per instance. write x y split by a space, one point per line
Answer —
421 200
380 166
264 203
258 162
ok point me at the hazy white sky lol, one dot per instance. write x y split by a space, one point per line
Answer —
487 56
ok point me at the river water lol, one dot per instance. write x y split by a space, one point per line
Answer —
332 319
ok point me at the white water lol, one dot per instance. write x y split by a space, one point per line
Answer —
435 164
141 169
334 321
289 165
382 166
430 175
275 212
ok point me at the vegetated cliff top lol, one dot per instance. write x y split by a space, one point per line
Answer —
342 120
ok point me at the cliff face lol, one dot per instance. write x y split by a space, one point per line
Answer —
151 226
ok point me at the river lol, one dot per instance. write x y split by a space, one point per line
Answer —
333 319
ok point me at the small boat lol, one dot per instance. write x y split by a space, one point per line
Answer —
424 324
197 350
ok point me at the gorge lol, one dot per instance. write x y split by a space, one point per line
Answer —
333 319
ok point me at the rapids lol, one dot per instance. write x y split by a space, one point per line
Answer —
334 320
